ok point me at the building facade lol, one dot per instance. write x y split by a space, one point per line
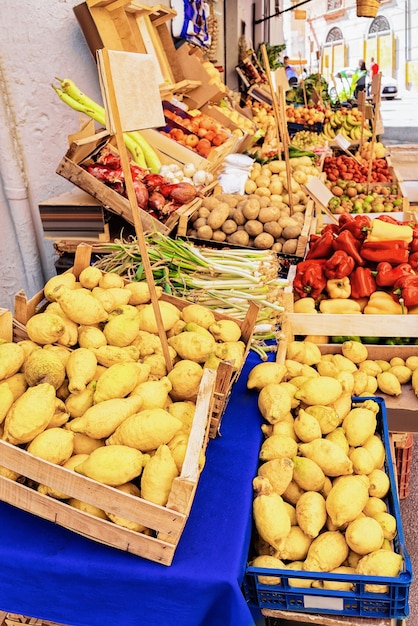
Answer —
335 38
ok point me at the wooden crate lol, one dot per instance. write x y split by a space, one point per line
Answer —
177 153
286 259
130 26
165 523
226 374
13 619
80 151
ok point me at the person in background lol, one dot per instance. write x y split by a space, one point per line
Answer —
291 74
373 71
362 75
374 68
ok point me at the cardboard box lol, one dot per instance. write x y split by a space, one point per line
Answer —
187 62
402 411
74 215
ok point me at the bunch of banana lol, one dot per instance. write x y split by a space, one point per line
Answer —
347 123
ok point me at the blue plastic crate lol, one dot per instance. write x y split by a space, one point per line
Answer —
359 602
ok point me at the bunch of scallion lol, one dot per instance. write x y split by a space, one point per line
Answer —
223 280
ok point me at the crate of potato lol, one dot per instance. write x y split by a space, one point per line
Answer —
260 218
328 531
107 413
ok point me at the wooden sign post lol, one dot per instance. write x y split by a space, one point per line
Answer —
115 67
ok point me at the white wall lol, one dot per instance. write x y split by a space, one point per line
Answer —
39 40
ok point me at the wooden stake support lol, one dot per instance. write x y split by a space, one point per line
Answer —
113 105
376 100
281 123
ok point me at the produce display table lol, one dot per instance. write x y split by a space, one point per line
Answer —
52 573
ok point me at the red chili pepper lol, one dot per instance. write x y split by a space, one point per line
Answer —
358 225
347 242
310 278
339 265
362 282
393 251
406 289
387 275
320 246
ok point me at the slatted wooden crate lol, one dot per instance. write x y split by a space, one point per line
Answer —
70 167
165 523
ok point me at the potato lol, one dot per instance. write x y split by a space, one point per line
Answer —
201 221
203 212
219 235
291 232
286 220
239 238
264 241
277 247
204 232
264 201
269 214
263 192
218 215
273 228
229 227
238 216
253 227
250 209
290 246
231 199
263 180
209 202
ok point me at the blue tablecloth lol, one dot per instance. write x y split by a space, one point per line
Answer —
52 573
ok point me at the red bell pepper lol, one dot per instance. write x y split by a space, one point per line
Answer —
310 278
387 275
333 228
413 246
413 261
363 283
388 218
393 251
320 246
405 289
339 265
358 225
346 241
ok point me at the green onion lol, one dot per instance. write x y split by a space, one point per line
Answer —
222 280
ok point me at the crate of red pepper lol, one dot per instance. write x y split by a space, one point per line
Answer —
360 265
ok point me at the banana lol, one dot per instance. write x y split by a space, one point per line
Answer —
353 133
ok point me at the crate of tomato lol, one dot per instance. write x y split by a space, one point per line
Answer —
360 186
